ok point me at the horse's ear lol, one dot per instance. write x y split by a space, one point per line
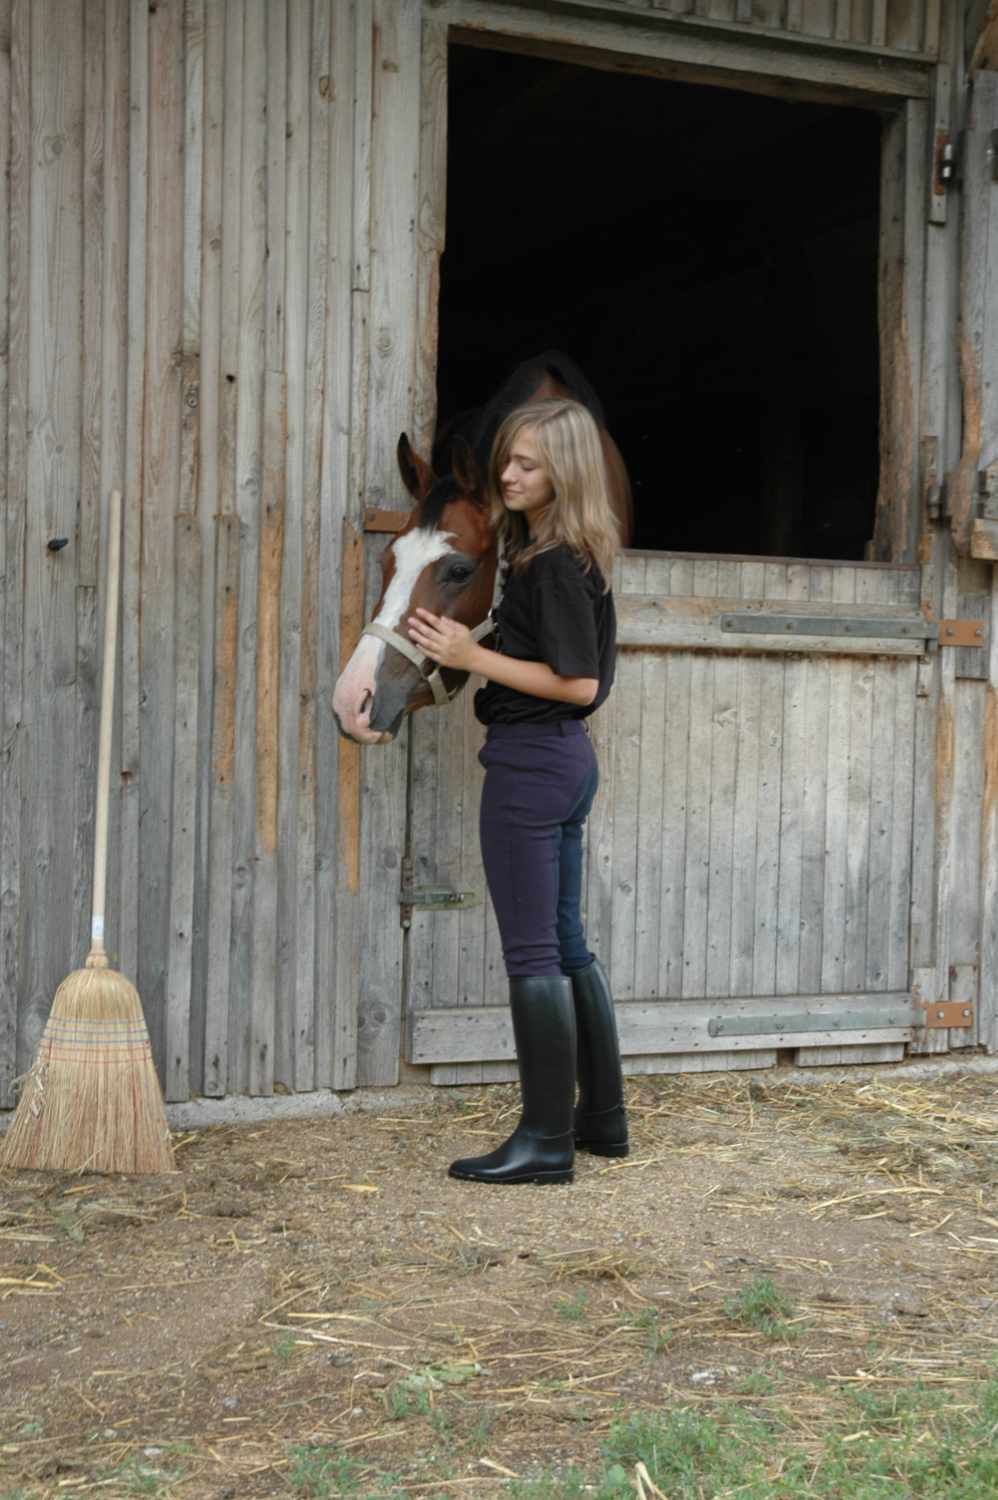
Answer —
464 467
417 476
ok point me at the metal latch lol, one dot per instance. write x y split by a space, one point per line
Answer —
947 1013
434 898
961 632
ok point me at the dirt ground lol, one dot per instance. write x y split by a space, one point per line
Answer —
314 1308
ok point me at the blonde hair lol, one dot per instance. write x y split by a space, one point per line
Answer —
580 516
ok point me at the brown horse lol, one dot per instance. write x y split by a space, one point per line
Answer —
444 558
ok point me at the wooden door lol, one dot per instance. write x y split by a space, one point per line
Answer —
750 853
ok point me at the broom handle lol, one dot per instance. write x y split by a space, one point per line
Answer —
97 957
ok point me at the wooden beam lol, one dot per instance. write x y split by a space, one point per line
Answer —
692 623
690 49
660 1027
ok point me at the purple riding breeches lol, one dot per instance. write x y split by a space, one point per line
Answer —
540 781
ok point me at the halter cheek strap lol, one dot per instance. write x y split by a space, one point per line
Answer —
420 659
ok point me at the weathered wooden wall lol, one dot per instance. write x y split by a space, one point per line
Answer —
220 223
207 251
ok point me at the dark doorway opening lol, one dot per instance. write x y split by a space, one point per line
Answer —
710 259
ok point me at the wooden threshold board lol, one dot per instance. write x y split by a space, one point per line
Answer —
655 1027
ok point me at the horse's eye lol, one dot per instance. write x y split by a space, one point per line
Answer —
458 572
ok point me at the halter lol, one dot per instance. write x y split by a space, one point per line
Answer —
420 659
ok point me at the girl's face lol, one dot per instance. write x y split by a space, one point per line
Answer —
526 484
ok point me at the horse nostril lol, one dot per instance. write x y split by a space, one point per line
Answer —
364 701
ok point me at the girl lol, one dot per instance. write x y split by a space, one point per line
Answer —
553 666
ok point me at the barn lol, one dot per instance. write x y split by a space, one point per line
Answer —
243 245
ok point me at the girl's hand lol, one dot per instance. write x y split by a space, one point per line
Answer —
446 642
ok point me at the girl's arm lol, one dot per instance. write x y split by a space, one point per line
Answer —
450 645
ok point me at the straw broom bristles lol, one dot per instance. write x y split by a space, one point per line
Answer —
92 1100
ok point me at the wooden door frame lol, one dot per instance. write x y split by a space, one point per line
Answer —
793 70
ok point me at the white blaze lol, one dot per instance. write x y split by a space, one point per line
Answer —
413 552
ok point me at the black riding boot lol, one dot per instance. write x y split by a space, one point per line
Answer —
600 1120
541 1147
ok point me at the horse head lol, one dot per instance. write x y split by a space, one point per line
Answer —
443 559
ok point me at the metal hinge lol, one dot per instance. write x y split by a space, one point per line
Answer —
954 1014
946 163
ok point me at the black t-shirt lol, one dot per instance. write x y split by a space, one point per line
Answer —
552 611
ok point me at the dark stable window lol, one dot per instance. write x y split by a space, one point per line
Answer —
709 257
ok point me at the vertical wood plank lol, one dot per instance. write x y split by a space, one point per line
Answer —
338 774
724 774
245 1073
674 823
160 495
88 524
396 92
968 791
886 765
209 231
768 826
332 564
114 360
271 1008
814 812
598 884
265 884
223 736
183 820
788 934
91 372
294 1043
858 823
698 784
220 1078
627 777
904 790
187 586
987 1023
650 854
11 272
54 354
131 554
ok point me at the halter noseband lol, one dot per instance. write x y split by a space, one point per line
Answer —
419 658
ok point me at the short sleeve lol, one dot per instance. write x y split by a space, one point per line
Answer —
565 618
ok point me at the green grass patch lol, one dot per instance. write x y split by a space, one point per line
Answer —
573 1309
913 1445
761 1306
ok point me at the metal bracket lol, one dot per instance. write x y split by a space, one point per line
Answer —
787 1022
961 632
891 627
953 1014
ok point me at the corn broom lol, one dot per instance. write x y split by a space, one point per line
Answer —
92 1100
